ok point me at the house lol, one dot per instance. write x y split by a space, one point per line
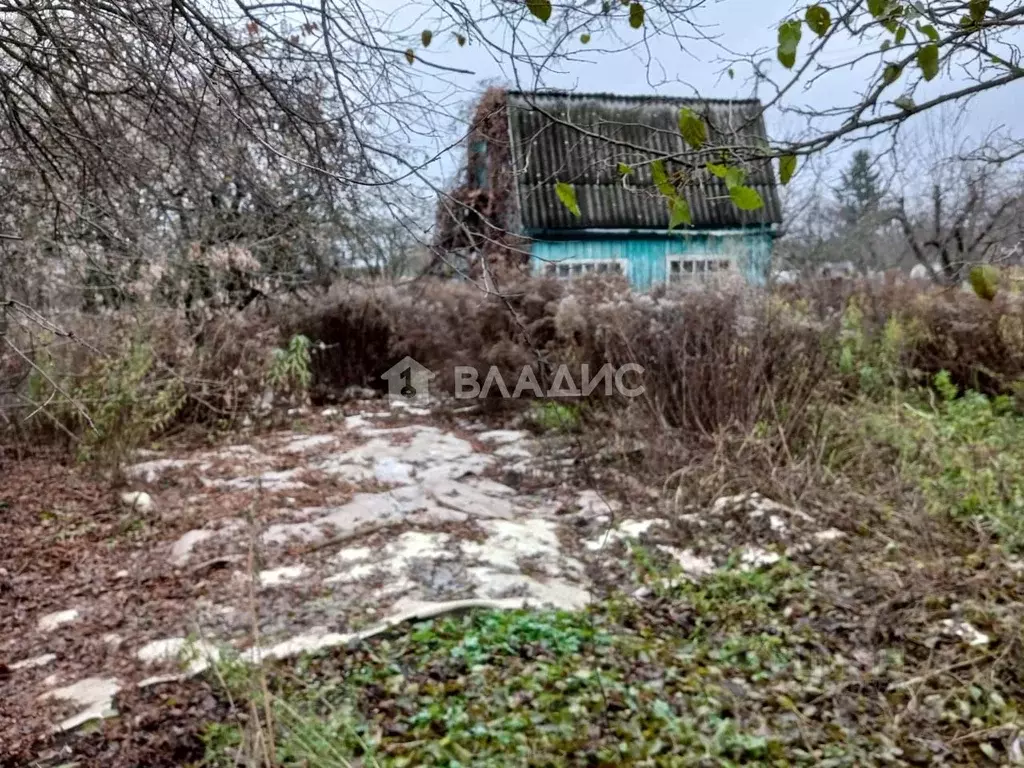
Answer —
522 144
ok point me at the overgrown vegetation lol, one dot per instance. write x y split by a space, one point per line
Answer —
900 644
724 359
963 452
727 672
131 380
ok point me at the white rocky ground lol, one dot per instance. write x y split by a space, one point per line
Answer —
411 520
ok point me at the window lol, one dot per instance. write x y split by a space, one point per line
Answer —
684 269
478 164
569 270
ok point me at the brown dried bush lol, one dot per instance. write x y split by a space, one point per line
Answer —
724 358
127 377
980 343
727 358
361 331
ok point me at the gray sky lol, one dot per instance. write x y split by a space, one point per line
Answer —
662 65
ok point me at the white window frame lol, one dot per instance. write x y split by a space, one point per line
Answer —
573 268
703 264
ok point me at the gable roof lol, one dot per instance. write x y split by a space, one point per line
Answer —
581 139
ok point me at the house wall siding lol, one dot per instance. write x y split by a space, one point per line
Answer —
646 256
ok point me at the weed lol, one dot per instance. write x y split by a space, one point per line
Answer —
553 416
126 404
875 360
290 368
963 453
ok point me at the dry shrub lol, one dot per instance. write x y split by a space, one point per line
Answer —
127 377
224 367
360 331
728 357
713 360
980 343
351 332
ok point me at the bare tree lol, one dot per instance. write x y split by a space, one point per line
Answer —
958 207
109 112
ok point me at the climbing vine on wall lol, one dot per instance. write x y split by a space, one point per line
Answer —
478 220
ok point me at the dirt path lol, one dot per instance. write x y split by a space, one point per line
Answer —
310 537
299 540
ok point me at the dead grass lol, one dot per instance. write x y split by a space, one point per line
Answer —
726 358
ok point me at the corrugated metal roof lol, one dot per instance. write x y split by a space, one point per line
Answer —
581 139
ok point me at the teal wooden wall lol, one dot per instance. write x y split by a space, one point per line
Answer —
646 255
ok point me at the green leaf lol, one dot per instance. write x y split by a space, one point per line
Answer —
460 39
425 37
720 171
540 8
787 167
410 55
900 32
886 45
606 7
745 198
978 9
680 213
658 172
734 177
636 15
585 38
891 73
984 279
624 170
732 73
929 30
567 194
694 132
877 7
661 179
928 60
789 38
905 102
818 19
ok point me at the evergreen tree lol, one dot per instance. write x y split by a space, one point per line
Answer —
859 193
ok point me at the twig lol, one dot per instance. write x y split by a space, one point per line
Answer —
936 672
52 383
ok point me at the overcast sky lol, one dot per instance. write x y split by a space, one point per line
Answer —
666 66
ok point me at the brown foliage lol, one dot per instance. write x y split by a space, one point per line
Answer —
481 219
711 360
726 358
980 343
